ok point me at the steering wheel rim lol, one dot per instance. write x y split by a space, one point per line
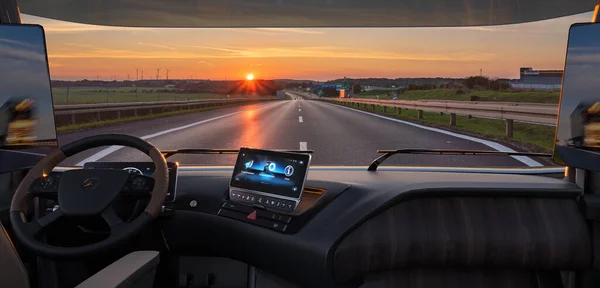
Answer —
120 231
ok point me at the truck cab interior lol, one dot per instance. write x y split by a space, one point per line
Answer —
101 225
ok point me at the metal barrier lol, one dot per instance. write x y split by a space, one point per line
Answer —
82 113
537 113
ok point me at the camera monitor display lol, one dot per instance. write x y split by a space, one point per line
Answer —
26 111
579 112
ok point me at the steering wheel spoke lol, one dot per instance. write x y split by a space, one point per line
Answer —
111 217
35 227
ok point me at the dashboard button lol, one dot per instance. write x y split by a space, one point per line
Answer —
236 207
259 200
278 226
277 203
281 227
274 216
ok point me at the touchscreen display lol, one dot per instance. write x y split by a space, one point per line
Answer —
272 172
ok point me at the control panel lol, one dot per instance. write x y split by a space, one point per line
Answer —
267 219
265 201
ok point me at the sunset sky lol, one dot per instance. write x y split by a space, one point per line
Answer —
79 51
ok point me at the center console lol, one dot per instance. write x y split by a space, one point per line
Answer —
269 179
266 188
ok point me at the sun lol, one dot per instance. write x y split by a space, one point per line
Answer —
250 76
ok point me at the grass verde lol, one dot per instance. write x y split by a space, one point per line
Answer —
533 137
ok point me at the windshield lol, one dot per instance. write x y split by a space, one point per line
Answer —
342 92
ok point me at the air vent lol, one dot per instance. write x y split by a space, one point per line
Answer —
314 190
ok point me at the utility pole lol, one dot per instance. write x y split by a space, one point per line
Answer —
157 73
480 72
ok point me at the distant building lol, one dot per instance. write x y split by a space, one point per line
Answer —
543 77
170 86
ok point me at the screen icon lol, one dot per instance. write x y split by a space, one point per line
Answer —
269 166
289 170
249 164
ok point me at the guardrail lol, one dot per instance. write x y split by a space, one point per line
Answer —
82 113
537 113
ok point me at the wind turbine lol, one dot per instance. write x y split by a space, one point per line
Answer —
157 73
167 73
136 74
142 72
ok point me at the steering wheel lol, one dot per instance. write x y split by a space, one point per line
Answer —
84 193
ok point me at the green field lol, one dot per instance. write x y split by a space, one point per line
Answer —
465 95
91 95
531 137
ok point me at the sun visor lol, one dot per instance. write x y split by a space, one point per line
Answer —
303 13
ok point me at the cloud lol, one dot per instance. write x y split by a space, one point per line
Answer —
156 46
205 63
11 53
21 43
223 49
269 52
583 59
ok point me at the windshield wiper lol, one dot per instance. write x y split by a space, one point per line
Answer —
388 153
169 153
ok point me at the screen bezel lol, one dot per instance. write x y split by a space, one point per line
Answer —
575 156
55 144
270 153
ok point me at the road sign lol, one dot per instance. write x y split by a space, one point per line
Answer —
395 96
342 86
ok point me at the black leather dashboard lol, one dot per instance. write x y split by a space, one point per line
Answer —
310 256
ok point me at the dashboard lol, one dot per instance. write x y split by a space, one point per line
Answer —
347 218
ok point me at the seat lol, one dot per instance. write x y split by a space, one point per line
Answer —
136 269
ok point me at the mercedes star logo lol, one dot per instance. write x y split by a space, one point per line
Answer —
90 183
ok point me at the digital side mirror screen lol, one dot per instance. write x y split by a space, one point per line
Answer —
578 128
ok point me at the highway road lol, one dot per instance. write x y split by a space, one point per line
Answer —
338 136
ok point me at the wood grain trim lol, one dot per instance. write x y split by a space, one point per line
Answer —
511 232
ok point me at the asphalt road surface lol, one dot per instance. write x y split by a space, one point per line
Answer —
338 136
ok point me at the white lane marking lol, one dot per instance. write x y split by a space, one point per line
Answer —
303 146
499 147
105 152
299 110
300 119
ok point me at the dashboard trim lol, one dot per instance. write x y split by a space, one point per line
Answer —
520 171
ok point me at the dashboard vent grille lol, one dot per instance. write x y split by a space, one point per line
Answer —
314 190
